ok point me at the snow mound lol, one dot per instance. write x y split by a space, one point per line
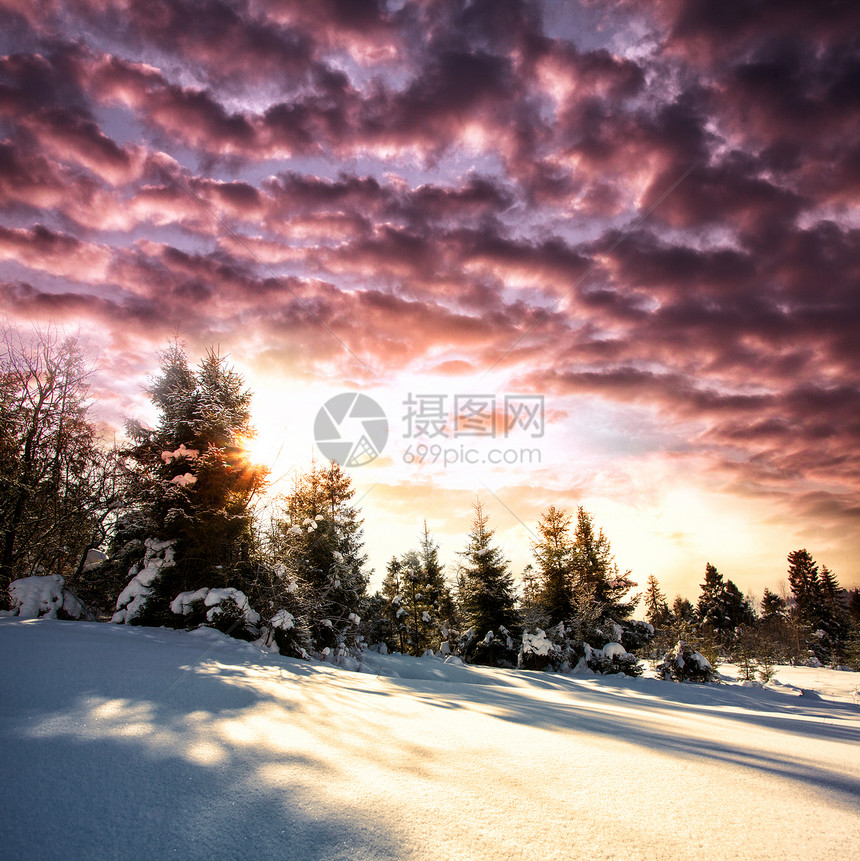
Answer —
35 597
614 650
217 598
219 602
537 644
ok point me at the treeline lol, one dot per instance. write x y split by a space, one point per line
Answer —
169 530
814 621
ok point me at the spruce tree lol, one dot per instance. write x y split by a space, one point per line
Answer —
656 608
722 609
319 543
487 598
595 573
805 585
190 486
772 605
396 632
420 612
710 604
553 554
815 613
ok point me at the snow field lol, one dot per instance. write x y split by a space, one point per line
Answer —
130 742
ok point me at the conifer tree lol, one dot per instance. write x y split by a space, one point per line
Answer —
442 610
656 608
396 634
772 605
553 554
710 604
805 585
595 572
722 608
684 617
487 598
190 484
531 610
420 607
320 545
815 612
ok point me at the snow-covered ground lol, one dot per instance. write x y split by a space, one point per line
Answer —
123 742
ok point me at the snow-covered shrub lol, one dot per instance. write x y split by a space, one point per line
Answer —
491 650
227 610
685 664
289 634
132 602
612 659
43 596
561 648
538 652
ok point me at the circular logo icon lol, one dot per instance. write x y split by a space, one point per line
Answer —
351 429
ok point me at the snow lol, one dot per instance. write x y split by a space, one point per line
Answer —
184 602
126 742
42 595
216 597
537 644
184 480
614 650
283 620
190 453
132 599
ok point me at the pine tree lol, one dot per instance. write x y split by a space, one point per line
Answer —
772 605
816 615
656 608
722 609
710 604
531 608
396 633
553 554
319 543
805 585
191 485
487 598
833 617
596 575
684 618
443 621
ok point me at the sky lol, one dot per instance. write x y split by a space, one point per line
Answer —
579 253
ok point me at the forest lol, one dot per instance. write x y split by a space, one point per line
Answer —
168 528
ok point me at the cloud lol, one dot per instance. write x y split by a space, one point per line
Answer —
656 214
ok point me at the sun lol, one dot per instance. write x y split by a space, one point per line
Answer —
255 449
